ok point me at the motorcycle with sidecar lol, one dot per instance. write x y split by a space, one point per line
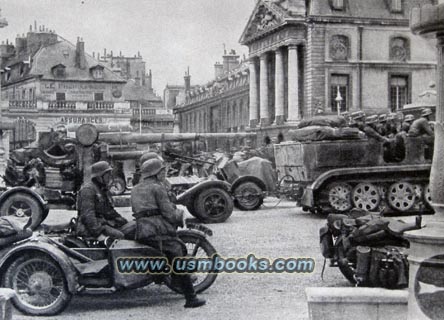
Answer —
47 267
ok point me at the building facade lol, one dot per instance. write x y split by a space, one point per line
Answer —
147 111
49 81
326 57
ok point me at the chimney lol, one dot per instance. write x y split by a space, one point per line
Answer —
80 54
21 45
187 79
231 61
149 83
218 70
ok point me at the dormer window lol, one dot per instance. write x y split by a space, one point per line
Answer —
59 71
396 6
337 5
97 72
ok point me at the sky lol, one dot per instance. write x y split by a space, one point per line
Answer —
170 34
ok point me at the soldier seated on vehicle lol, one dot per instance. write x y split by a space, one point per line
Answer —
97 217
357 120
391 125
157 220
407 123
421 127
370 129
144 157
381 126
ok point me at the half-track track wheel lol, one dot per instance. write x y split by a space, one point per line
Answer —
366 196
401 196
339 196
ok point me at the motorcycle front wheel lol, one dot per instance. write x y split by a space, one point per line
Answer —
197 247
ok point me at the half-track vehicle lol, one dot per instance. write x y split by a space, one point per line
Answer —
338 175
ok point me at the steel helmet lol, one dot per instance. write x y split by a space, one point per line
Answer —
383 118
152 167
426 112
409 117
371 119
98 169
357 115
147 156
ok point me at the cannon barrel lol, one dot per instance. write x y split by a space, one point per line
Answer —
125 155
114 138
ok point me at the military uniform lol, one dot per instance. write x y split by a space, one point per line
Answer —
157 219
420 127
95 211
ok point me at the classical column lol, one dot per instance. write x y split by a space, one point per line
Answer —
427 245
264 115
279 88
254 105
293 83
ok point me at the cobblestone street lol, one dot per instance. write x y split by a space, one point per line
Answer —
283 231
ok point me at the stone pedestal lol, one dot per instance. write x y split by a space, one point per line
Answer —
426 254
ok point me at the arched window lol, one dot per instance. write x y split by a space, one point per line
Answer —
399 49
339 47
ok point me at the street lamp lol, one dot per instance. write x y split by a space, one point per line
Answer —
338 101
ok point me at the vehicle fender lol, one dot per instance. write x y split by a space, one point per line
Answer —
33 246
30 192
187 196
326 176
253 179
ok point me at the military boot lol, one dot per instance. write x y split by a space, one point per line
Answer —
192 301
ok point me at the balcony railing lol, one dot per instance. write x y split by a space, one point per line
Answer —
62 105
23 104
100 105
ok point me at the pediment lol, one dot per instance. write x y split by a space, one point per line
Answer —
264 18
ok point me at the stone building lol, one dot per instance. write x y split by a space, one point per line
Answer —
148 112
220 105
49 80
324 57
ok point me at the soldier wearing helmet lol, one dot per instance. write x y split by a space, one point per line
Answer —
97 217
408 119
370 129
144 157
157 220
381 126
421 127
357 120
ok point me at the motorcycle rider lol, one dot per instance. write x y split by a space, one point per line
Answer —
157 220
96 215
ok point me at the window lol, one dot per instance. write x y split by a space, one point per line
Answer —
337 4
59 71
339 90
60 96
97 72
399 92
98 96
396 6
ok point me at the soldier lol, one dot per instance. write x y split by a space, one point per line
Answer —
357 120
96 215
144 157
157 220
381 127
407 123
421 127
391 126
370 129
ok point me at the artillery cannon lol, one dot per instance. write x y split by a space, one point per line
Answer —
50 173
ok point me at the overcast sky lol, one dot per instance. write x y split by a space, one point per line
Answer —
170 34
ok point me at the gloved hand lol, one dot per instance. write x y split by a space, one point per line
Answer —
113 233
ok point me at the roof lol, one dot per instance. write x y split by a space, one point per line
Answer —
135 92
64 52
367 9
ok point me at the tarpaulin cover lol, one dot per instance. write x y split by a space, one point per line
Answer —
324 121
260 168
318 133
